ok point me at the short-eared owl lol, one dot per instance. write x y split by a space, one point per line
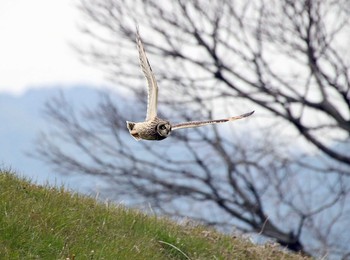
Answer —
155 128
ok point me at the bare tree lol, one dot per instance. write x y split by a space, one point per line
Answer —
288 59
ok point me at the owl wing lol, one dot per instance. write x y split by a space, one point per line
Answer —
151 80
209 122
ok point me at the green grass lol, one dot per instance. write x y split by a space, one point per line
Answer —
48 223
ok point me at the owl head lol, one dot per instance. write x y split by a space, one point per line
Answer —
163 128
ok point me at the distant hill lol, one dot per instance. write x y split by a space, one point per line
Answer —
39 222
21 120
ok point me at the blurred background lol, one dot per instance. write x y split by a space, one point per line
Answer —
37 61
69 79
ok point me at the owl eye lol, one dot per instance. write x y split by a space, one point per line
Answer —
162 127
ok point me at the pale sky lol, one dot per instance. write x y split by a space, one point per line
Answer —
34 45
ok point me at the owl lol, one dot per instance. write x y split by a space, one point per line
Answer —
155 128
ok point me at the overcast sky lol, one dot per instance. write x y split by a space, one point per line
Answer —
34 45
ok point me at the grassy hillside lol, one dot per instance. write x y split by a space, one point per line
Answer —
48 223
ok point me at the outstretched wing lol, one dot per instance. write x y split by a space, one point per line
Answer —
151 80
209 122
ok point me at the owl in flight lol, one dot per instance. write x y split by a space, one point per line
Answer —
155 128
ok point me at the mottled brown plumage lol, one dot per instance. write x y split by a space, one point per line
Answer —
148 130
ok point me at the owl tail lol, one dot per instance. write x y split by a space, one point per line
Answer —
130 125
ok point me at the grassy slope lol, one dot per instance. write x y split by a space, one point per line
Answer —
46 223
